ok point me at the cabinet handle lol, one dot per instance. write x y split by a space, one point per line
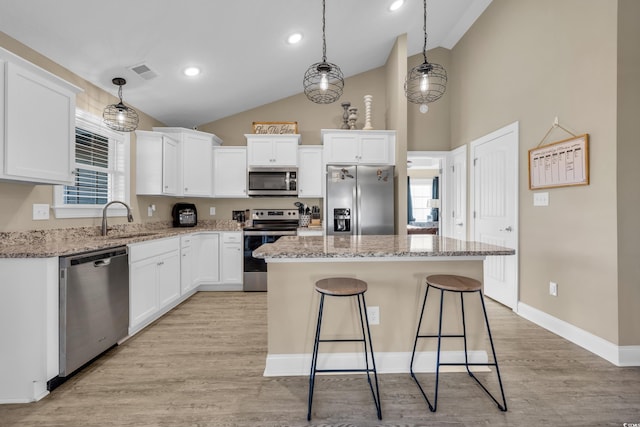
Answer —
161 263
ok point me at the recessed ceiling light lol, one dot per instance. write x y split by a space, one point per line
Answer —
191 71
294 38
397 4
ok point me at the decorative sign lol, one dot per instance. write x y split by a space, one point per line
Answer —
275 128
560 164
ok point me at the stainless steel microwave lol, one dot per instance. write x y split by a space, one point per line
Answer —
272 181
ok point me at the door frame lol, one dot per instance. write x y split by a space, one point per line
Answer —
510 128
442 156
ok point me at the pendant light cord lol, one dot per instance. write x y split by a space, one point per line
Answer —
324 40
120 93
424 49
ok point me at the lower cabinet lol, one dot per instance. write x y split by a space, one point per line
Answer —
231 258
154 280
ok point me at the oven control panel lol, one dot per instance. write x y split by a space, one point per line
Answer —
275 214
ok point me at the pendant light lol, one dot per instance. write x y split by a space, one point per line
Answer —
427 82
323 82
118 116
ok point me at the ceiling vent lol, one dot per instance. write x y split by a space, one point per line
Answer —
144 71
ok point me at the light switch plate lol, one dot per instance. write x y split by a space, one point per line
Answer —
40 211
541 199
212 211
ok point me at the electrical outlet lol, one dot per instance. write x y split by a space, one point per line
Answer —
553 289
373 313
40 211
212 211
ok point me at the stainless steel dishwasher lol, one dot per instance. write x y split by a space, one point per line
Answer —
94 305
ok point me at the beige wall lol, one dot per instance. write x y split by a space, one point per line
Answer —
396 70
311 117
430 131
628 173
17 199
529 61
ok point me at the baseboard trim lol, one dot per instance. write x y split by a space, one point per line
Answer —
284 365
617 355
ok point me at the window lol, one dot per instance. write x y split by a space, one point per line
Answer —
101 171
421 192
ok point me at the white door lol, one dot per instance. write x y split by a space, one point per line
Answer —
457 194
494 199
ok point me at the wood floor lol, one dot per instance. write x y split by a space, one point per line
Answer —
202 364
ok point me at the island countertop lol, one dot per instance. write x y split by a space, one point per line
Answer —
368 246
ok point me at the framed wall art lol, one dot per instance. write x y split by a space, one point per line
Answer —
560 164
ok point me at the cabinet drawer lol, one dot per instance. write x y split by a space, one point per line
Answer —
231 237
144 250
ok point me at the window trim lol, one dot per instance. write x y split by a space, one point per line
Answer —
61 210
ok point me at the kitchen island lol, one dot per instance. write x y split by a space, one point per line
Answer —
395 268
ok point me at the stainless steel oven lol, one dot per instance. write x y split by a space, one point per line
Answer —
272 181
267 226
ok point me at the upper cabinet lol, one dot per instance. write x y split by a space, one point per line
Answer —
272 150
175 162
359 147
230 172
37 123
310 171
195 160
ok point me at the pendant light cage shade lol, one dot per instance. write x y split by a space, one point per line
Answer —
323 83
425 83
118 116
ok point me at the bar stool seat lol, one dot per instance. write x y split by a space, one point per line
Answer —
461 285
345 287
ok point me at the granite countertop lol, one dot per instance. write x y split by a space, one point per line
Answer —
69 241
375 246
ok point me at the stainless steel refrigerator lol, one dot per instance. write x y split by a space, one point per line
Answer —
360 200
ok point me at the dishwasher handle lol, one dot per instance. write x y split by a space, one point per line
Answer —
102 263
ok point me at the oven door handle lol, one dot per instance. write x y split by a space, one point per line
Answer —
270 233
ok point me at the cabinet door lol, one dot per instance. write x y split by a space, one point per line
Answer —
186 270
285 151
260 152
375 149
143 291
196 165
207 258
230 172
310 173
168 278
231 258
39 128
341 148
169 166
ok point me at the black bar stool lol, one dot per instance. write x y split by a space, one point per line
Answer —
461 285
345 287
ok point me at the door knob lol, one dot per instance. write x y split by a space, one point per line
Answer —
509 229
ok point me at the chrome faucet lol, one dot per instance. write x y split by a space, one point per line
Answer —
104 215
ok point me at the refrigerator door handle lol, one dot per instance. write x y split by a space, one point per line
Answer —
358 198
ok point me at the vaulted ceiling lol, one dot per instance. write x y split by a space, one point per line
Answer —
239 45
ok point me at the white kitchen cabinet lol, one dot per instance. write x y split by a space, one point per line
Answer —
207 258
156 164
230 172
187 263
44 152
28 327
272 150
154 280
310 171
193 161
359 147
231 258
